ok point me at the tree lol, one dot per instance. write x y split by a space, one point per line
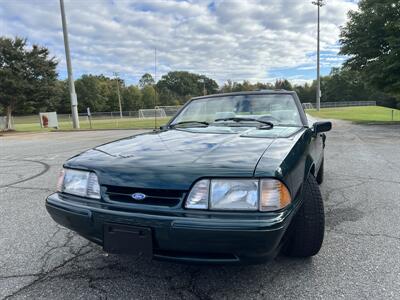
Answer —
283 84
166 96
344 84
146 79
307 91
244 86
89 92
231 86
27 76
62 103
182 85
227 87
132 98
372 38
210 85
148 94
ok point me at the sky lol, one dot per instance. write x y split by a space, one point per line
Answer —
260 40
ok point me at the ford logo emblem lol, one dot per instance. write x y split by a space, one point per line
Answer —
138 196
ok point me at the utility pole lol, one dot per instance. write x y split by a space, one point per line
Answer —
319 4
119 96
74 100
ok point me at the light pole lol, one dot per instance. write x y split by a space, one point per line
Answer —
119 96
319 4
74 100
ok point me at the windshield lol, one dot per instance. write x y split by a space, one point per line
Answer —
279 109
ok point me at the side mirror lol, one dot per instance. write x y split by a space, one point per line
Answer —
163 127
319 127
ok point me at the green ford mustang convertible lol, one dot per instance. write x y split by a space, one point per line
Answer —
232 178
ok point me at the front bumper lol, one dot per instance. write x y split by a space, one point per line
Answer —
194 238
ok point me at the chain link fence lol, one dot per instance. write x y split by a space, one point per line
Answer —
348 103
339 104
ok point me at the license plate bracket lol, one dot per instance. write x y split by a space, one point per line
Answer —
126 239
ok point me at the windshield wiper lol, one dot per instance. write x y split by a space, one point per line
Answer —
238 119
189 122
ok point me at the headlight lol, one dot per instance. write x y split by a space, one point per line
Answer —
239 194
80 183
198 196
234 194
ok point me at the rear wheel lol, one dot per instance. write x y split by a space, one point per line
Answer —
307 228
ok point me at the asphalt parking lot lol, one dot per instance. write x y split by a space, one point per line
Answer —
360 257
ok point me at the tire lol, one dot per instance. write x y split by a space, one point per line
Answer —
308 226
320 175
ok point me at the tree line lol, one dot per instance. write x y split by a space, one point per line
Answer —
29 82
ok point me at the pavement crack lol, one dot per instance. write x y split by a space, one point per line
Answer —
20 275
43 273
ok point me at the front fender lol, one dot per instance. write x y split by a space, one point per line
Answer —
290 160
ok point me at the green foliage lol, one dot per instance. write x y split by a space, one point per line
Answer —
283 84
179 86
307 92
346 84
148 94
90 92
244 86
61 102
372 38
146 79
132 98
231 86
27 77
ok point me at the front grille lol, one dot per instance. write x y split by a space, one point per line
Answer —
159 197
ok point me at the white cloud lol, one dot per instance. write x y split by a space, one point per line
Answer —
222 39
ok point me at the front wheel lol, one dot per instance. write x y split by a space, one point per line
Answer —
307 228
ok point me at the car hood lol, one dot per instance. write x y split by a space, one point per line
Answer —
174 159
